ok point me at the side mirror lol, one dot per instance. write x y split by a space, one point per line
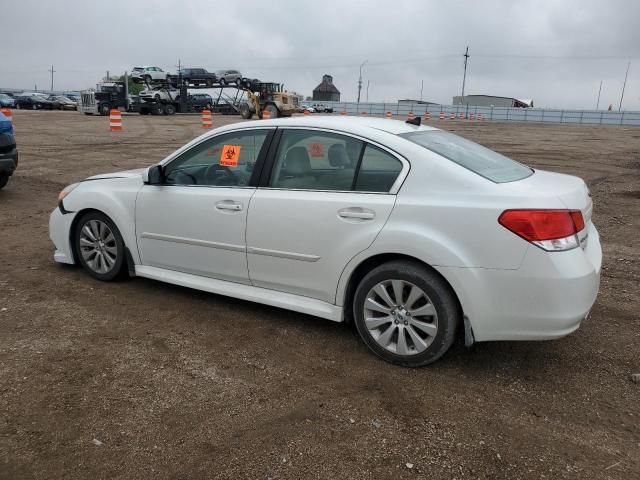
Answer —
154 175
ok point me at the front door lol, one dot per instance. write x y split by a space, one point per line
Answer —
327 198
195 222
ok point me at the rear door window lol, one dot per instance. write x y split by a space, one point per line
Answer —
470 155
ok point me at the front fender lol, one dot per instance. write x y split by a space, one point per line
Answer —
116 198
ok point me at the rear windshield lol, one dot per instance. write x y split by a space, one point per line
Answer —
470 155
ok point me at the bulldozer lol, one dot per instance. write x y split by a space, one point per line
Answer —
267 97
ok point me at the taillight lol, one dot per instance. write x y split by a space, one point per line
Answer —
551 230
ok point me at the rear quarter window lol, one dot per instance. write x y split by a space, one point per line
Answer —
470 155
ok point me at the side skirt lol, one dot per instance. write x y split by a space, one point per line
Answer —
297 303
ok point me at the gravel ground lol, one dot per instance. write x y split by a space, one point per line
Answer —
138 379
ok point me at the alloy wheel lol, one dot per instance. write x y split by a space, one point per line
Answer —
98 246
400 317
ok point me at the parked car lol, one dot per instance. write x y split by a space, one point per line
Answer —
148 74
33 102
308 108
194 76
60 102
8 150
226 77
414 233
200 101
318 107
6 101
163 94
73 97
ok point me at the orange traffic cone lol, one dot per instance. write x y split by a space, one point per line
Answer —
410 116
7 113
207 118
115 120
452 116
266 115
427 116
389 115
441 117
344 112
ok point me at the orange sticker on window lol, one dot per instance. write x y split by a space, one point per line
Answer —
230 155
316 150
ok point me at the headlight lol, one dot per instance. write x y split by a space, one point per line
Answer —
66 191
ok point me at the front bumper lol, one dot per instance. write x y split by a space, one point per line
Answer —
8 162
546 298
59 233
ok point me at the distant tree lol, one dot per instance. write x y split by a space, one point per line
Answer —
134 88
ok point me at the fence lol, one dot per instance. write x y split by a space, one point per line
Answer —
499 114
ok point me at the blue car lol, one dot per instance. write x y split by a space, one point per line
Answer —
8 150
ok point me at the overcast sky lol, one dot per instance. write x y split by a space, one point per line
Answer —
555 52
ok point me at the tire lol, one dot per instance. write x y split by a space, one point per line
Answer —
147 78
157 97
104 109
103 261
432 317
245 111
209 82
273 111
169 109
4 179
222 82
34 107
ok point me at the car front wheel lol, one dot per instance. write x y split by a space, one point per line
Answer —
99 246
406 314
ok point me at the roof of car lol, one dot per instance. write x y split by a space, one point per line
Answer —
351 124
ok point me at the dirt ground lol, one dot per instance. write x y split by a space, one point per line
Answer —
139 379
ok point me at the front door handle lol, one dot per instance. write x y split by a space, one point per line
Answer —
229 205
357 213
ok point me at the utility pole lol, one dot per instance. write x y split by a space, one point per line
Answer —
108 78
599 90
360 79
623 86
52 72
464 76
367 91
421 89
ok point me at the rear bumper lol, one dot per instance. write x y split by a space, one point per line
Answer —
547 297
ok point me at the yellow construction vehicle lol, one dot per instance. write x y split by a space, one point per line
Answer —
267 97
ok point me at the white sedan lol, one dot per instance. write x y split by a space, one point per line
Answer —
414 234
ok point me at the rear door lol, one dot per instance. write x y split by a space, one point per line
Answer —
323 199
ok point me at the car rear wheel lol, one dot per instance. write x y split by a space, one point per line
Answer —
406 314
222 81
99 246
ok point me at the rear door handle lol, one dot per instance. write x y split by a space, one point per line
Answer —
229 205
357 213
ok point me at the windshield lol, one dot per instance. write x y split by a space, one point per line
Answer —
470 155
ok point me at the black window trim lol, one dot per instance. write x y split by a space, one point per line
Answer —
265 177
257 169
